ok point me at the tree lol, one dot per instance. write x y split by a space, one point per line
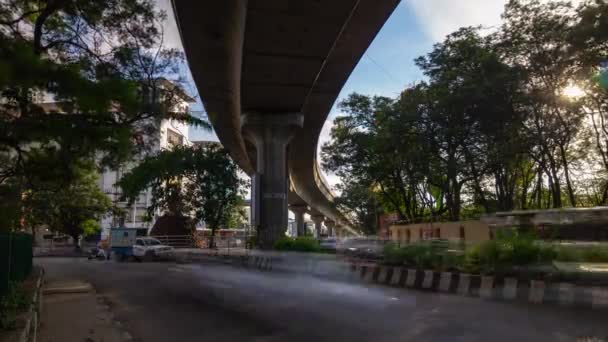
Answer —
201 182
534 38
103 66
214 187
361 201
502 121
74 209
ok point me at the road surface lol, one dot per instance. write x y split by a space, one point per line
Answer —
209 302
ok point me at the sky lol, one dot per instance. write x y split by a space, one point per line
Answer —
388 65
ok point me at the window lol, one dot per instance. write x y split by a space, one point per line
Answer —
174 138
139 242
152 242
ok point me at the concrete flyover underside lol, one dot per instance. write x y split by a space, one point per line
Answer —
277 57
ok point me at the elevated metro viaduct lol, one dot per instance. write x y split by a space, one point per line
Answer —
268 73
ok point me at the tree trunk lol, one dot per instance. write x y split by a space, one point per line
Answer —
212 238
567 175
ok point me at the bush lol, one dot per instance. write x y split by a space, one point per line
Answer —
12 302
567 254
595 254
507 251
581 254
284 244
431 254
393 254
299 244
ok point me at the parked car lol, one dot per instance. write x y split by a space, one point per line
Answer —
328 244
147 248
362 248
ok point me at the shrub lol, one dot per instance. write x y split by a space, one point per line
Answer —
595 254
299 244
547 253
472 260
306 244
284 244
582 254
393 254
567 254
11 303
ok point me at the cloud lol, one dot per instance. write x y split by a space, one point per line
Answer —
439 18
171 33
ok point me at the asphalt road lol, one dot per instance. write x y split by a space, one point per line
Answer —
208 302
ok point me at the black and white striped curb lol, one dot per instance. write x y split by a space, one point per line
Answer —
486 287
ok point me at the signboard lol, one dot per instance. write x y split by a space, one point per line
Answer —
122 237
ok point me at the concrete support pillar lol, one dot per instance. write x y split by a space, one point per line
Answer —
330 227
338 229
270 134
298 212
318 220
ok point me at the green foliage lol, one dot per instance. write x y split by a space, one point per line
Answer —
490 128
299 244
103 65
12 303
90 227
424 255
568 254
595 254
199 180
73 208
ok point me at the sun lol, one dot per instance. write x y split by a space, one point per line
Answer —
573 91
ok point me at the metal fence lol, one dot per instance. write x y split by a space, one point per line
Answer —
176 241
16 255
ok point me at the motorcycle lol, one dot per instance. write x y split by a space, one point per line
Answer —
97 253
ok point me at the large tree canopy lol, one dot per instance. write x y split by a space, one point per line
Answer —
201 182
496 124
80 80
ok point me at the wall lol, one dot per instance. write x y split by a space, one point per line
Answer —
474 231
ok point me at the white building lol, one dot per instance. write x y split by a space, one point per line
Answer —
170 133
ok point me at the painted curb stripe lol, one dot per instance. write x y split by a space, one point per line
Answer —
445 281
599 298
464 284
410 281
396 277
427 283
383 275
486 290
509 290
369 273
537 291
